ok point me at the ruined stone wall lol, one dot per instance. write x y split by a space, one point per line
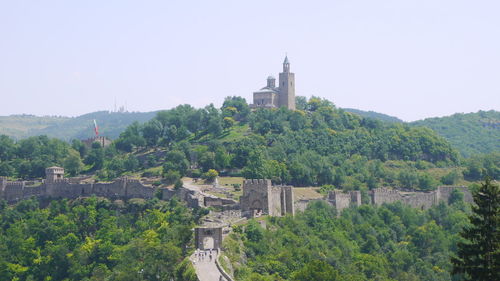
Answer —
13 191
380 196
135 189
339 199
420 200
216 201
212 201
193 199
120 189
301 205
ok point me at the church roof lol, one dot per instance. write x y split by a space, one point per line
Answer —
286 60
266 90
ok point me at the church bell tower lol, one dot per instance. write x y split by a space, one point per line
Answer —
287 86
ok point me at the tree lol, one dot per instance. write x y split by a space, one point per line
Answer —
79 146
240 105
178 184
152 131
171 176
478 256
228 122
131 138
176 160
210 175
451 178
73 164
95 157
316 270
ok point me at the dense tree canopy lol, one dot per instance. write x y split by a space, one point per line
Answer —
310 146
95 239
391 242
470 133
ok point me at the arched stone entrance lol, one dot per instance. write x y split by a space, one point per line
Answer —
256 208
208 237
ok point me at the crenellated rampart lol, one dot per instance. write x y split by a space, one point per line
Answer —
122 188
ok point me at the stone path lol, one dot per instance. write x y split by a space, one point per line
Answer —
206 270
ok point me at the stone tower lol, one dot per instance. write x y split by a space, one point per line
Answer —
53 174
286 86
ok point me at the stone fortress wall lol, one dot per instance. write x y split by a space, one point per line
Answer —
421 200
341 200
259 195
54 186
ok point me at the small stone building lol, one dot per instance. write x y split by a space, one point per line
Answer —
53 174
260 197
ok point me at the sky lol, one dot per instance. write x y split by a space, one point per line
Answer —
412 59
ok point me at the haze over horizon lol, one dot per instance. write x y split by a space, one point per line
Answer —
409 59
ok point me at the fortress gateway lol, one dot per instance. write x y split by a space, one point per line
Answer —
271 96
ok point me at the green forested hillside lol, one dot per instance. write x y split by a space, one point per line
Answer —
470 133
111 124
95 239
318 145
391 242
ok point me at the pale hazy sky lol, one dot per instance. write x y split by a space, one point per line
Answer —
408 58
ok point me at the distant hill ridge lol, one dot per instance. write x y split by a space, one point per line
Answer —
111 124
375 115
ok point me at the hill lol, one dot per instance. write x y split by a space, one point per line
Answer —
470 133
374 115
111 124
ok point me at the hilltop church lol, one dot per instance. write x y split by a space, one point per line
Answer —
271 96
